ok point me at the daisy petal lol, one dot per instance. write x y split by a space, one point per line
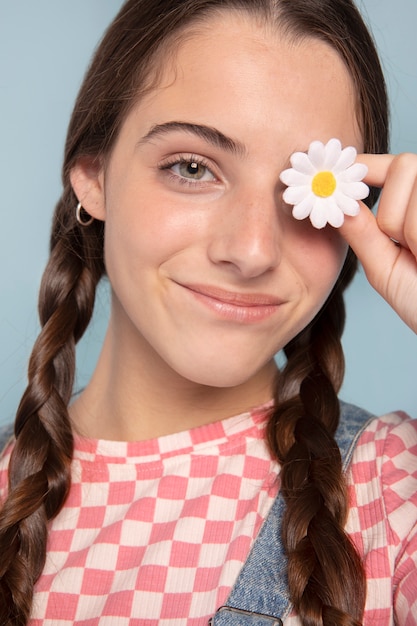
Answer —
333 150
303 209
335 215
318 215
352 212
292 177
345 160
301 162
294 195
354 174
356 190
317 154
348 205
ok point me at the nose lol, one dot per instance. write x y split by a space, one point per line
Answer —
247 235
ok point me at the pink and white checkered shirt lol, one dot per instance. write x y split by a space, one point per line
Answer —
156 532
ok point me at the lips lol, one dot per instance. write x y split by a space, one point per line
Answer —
234 306
237 299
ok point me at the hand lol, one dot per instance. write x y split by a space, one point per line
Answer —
386 245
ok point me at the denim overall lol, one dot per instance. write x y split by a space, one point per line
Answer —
260 596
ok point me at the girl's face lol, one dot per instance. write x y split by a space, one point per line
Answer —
211 275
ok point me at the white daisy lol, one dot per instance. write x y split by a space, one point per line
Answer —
325 183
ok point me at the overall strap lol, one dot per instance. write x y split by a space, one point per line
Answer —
260 596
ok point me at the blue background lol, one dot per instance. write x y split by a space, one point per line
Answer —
44 49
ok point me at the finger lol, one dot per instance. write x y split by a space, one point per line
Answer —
374 249
397 175
390 268
396 201
410 223
378 167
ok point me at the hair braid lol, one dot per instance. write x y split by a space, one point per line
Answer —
39 470
324 570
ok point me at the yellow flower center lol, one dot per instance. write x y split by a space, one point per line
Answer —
323 184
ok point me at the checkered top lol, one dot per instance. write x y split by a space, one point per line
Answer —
156 532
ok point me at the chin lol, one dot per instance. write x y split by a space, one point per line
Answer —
219 375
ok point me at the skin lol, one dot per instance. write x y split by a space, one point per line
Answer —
390 268
211 277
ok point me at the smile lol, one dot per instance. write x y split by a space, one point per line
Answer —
239 307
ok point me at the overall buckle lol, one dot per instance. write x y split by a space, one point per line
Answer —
229 616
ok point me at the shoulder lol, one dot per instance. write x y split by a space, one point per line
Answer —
385 445
383 470
388 437
378 437
382 473
382 482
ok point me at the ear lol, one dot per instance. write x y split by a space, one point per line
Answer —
87 180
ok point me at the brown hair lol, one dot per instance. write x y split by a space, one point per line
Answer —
326 584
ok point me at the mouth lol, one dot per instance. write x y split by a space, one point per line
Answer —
235 306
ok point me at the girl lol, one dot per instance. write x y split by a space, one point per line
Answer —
148 496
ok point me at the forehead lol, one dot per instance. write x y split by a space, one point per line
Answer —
236 71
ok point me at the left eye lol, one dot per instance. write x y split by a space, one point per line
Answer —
192 170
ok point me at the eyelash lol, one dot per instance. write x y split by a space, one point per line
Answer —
186 159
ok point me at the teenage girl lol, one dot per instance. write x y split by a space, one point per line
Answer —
139 500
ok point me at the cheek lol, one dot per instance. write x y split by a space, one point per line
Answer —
319 258
142 235
130 246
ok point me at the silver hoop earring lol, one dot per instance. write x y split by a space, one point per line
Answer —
80 220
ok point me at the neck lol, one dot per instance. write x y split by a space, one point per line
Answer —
134 396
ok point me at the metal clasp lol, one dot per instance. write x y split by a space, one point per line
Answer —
239 617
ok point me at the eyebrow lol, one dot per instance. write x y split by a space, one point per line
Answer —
207 133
